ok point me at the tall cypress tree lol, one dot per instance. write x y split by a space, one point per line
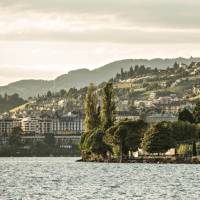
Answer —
108 107
131 72
91 109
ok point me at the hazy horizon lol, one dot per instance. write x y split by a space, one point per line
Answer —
42 39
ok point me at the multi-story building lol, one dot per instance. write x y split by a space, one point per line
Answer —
173 107
68 124
7 124
30 125
45 125
156 118
56 125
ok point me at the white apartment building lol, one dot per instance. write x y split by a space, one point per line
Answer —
57 126
30 125
7 124
45 126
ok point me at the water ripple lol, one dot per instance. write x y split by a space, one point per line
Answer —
63 178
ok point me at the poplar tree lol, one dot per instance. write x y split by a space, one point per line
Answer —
91 109
108 107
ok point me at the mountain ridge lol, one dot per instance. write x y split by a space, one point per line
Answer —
82 77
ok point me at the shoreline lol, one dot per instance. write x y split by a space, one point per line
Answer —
152 160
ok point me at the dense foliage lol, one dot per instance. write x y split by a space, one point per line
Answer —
186 115
158 139
120 139
125 136
48 147
91 109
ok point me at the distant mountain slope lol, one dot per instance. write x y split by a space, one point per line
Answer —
82 77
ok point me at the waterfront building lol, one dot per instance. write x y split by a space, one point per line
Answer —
7 124
30 126
45 125
68 124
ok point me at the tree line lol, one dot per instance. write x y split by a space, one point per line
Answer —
104 138
16 146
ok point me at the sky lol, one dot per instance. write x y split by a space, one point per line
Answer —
42 39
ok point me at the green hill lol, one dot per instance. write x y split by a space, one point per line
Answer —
82 77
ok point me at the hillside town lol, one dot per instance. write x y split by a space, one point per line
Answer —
45 119
139 94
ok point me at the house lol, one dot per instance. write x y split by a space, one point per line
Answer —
173 107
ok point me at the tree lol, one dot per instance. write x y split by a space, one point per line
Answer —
134 135
196 115
108 107
184 132
196 112
50 139
15 136
186 116
184 149
194 149
116 136
126 136
49 94
136 69
92 144
63 93
176 65
131 72
91 109
122 74
96 143
158 139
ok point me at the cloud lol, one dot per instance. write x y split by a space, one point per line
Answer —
44 38
178 13
122 21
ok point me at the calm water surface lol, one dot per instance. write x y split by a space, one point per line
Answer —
63 178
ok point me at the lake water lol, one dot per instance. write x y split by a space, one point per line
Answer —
63 178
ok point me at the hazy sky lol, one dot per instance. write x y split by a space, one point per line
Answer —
45 38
